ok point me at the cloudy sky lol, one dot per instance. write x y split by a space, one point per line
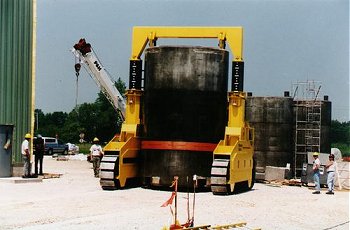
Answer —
285 41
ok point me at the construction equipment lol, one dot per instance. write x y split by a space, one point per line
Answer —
85 54
233 157
233 162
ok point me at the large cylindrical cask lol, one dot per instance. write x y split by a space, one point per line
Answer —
184 111
272 120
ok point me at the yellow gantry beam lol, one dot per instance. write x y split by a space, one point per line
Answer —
232 35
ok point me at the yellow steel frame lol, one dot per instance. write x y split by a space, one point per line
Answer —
128 144
144 35
238 143
132 114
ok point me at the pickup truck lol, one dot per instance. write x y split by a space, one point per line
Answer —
52 146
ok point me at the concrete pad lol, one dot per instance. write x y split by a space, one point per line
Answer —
17 170
76 201
259 176
20 180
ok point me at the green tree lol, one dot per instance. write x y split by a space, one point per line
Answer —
72 128
340 136
50 124
98 119
39 121
88 116
109 122
340 132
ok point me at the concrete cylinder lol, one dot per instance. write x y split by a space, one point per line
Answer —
272 119
185 100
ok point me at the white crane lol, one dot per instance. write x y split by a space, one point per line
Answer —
84 54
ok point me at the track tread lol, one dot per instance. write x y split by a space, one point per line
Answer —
219 175
108 171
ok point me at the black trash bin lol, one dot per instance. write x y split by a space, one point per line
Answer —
6 132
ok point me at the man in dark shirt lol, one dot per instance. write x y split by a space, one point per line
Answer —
39 154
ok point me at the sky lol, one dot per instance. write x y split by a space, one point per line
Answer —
285 42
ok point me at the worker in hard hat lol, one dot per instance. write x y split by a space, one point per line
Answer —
316 170
26 155
96 153
39 154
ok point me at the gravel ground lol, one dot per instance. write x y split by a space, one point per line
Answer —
76 201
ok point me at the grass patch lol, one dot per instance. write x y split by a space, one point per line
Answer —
85 148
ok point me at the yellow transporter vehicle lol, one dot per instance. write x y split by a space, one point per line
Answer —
233 157
233 162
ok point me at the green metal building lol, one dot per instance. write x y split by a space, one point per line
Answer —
17 69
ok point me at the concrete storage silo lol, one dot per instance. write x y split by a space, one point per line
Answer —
312 129
272 120
184 111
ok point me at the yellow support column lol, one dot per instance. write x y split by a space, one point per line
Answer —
132 115
32 120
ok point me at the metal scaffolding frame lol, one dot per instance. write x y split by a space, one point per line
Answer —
307 122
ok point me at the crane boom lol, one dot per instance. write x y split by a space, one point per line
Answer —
85 54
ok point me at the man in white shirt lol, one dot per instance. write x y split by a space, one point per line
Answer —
316 170
96 155
331 168
26 155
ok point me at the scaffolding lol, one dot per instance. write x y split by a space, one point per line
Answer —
307 122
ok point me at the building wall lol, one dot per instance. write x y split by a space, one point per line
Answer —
17 42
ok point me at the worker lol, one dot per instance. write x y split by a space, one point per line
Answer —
26 155
316 171
39 154
331 168
96 153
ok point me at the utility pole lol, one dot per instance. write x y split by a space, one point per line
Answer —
37 120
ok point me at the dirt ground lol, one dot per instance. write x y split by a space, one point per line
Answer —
76 201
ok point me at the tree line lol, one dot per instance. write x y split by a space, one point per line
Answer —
340 136
98 119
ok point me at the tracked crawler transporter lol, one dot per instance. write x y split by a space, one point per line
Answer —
179 120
